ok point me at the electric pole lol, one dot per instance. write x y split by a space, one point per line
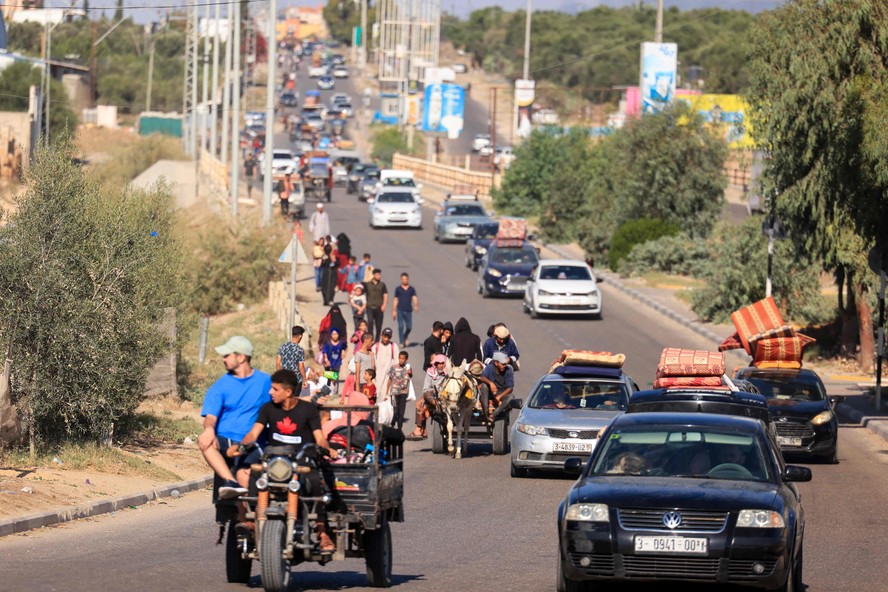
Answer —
205 112
195 69
150 72
658 32
362 55
226 87
527 41
235 111
267 176
214 106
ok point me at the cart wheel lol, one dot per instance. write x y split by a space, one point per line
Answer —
378 554
236 567
501 435
275 570
437 437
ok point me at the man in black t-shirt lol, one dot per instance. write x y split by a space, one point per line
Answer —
432 345
288 420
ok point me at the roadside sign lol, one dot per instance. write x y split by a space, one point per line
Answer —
287 253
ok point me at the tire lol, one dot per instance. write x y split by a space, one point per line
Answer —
378 555
236 567
517 472
533 312
831 458
275 570
483 290
501 435
562 584
437 437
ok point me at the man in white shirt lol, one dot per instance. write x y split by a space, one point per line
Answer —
319 225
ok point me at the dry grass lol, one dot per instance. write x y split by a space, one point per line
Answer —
81 457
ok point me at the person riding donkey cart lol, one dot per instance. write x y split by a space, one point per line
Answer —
497 382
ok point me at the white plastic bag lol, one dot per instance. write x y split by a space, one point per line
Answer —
386 412
411 394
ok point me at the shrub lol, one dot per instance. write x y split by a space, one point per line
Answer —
677 254
636 232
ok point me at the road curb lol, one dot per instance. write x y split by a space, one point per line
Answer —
39 520
877 425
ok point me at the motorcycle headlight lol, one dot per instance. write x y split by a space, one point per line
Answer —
759 519
494 272
822 418
588 513
531 430
280 469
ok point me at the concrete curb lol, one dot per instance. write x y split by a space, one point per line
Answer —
876 425
32 521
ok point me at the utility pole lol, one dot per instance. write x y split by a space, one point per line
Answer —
195 69
527 41
493 139
267 176
150 72
362 55
187 84
235 111
658 32
226 87
205 112
214 106
92 66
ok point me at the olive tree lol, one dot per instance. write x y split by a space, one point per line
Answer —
85 277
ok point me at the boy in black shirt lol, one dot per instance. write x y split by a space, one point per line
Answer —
288 420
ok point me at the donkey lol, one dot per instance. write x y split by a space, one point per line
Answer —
455 401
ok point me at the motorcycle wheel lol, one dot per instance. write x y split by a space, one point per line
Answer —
378 555
275 570
236 567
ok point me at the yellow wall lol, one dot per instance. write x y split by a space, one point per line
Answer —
728 114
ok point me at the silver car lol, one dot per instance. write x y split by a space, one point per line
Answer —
564 414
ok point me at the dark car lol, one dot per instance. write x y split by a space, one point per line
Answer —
701 400
690 497
367 184
478 243
357 173
803 414
289 99
503 271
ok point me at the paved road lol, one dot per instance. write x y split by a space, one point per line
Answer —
469 525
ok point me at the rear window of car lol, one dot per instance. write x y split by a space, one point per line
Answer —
786 387
580 393
485 231
683 452
524 255
464 210
400 182
395 198
564 272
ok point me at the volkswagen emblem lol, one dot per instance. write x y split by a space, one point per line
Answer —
573 434
671 519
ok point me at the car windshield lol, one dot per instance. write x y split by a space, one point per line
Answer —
564 272
399 182
395 198
465 210
318 170
681 451
580 393
370 175
788 386
485 231
282 156
523 255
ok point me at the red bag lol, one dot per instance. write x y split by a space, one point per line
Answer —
674 381
690 362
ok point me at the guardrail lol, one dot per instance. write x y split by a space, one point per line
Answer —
446 175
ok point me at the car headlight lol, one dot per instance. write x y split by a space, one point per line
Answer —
588 513
481 250
545 293
280 468
759 519
495 272
531 430
822 417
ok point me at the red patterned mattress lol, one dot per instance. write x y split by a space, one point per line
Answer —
690 362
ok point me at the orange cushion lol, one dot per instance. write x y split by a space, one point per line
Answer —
779 349
673 381
690 362
756 318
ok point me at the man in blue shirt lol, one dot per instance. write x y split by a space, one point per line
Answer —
230 409
406 303
497 382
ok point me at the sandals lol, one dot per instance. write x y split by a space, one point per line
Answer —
414 437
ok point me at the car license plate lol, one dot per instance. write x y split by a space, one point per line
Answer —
671 544
789 440
571 447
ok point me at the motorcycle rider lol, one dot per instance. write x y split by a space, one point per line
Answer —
501 340
289 420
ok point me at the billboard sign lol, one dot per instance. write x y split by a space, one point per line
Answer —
442 109
524 97
659 65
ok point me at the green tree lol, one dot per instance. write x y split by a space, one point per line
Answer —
531 176
822 120
85 279
15 83
636 232
343 16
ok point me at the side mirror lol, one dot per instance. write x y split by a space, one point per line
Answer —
835 400
516 403
573 465
796 474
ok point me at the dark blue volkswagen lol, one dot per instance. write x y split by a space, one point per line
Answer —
683 497
504 270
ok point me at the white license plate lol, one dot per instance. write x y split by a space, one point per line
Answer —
789 440
571 447
671 544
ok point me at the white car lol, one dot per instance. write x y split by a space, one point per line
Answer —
317 71
504 157
480 142
282 162
340 72
562 286
395 207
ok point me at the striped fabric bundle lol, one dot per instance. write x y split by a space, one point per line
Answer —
690 362
756 319
678 381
